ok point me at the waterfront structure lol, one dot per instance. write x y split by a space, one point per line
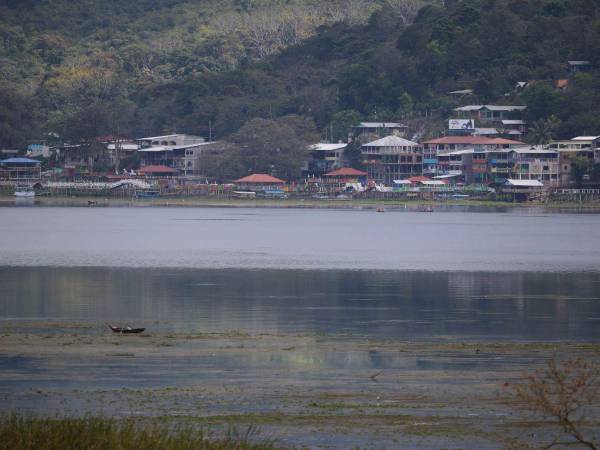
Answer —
522 190
535 163
392 158
456 163
157 171
447 145
345 177
178 151
324 158
259 182
497 164
20 170
580 146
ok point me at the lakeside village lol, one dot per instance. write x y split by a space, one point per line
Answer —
481 156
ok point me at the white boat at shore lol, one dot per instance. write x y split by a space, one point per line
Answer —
24 193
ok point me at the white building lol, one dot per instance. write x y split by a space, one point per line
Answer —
177 151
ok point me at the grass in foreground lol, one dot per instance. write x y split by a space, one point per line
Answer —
20 433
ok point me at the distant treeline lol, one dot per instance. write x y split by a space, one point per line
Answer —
84 69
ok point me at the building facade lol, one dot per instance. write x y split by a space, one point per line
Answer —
392 158
324 158
580 146
473 151
178 151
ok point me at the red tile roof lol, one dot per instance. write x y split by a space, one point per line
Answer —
346 172
260 178
475 140
418 179
157 169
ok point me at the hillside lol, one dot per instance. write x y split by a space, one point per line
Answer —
171 65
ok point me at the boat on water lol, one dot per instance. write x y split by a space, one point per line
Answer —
146 193
27 193
126 330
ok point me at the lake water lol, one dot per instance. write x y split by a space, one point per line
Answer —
299 239
326 328
494 276
374 304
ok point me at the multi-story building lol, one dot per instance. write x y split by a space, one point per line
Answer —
535 163
324 158
582 146
457 163
475 145
392 158
178 151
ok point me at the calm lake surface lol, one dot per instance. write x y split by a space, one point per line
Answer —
326 328
493 276
299 239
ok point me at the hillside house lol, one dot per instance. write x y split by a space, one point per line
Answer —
490 113
578 66
366 131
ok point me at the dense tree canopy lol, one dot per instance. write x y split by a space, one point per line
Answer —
155 66
277 147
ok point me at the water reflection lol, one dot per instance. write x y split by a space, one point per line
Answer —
379 304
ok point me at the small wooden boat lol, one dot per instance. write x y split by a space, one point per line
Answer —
126 330
380 210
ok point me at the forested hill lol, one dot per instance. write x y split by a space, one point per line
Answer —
91 68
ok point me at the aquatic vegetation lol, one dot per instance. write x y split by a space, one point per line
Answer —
20 433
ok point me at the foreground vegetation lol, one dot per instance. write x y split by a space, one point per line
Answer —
20 433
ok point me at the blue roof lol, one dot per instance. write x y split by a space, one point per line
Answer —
19 161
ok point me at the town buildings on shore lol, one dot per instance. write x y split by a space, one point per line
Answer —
482 146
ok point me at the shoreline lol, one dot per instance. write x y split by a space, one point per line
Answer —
344 204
